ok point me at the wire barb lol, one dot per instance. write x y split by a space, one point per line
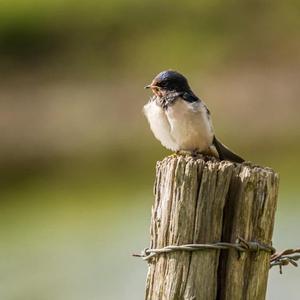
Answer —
285 258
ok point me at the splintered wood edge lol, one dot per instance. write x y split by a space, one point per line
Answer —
210 159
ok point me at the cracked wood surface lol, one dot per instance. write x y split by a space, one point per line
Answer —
206 201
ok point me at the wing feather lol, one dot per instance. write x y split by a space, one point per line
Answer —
225 153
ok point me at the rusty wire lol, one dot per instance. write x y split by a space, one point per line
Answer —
280 259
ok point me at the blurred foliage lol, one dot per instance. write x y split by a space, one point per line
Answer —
147 34
77 157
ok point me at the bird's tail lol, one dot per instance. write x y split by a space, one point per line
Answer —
225 153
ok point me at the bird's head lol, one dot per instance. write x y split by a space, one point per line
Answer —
168 81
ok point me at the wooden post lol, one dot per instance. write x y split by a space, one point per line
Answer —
207 201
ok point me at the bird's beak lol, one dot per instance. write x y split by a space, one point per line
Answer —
155 89
151 86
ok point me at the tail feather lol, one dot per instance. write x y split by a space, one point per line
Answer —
225 153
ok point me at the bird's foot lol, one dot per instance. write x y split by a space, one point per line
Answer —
195 153
180 153
173 155
185 153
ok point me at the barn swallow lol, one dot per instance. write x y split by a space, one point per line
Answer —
180 120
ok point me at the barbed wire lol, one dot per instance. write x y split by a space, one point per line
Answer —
280 259
285 258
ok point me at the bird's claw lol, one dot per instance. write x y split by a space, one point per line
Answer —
173 155
185 153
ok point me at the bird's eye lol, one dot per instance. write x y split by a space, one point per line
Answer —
163 83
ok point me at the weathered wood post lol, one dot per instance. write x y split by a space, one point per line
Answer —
199 201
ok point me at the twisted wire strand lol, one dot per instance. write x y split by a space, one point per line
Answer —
241 245
280 259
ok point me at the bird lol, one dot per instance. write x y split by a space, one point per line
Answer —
180 120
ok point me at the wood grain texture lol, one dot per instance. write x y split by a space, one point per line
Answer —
206 201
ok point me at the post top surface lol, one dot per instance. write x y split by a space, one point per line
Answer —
205 160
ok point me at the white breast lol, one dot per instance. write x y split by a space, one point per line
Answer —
182 126
160 125
191 125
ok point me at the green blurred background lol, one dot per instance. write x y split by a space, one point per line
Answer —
77 156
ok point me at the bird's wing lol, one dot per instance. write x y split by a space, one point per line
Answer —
225 153
189 97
